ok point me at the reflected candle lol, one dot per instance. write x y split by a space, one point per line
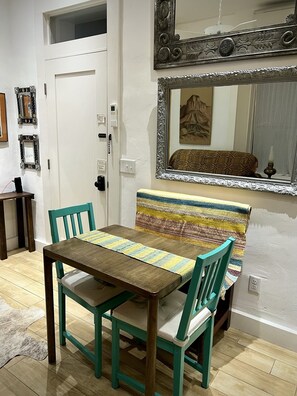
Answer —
270 159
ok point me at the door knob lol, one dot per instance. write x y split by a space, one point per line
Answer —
100 183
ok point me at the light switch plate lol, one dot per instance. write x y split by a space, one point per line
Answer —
101 119
101 165
128 166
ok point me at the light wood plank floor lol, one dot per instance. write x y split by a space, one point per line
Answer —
241 364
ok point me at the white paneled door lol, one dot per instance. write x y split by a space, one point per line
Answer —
77 107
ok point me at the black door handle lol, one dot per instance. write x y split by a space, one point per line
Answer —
100 183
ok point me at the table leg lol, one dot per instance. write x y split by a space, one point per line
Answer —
49 299
29 220
152 323
3 246
20 221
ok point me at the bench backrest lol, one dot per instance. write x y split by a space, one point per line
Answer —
198 220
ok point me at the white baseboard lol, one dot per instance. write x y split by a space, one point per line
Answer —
40 245
12 244
269 331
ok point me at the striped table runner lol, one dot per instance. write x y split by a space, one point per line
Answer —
160 258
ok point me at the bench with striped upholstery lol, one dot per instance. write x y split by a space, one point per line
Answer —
198 220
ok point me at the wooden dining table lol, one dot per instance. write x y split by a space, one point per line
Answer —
131 274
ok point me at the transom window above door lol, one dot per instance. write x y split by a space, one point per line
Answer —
77 24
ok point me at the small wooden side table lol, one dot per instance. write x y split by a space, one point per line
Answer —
20 220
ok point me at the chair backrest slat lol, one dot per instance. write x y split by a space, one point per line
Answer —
79 222
206 283
211 276
73 224
66 228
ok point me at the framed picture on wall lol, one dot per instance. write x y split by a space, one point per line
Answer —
26 101
195 115
29 148
3 121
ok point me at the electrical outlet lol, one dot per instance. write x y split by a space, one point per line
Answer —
254 284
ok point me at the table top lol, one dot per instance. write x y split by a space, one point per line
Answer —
119 269
14 195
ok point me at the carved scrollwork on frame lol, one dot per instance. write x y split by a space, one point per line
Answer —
288 38
171 51
164 24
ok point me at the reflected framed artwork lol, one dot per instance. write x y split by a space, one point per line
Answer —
195 115
3 120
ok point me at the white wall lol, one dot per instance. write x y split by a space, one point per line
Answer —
224 116
8 168
18 69
244 114
272 235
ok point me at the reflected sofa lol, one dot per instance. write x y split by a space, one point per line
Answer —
234 163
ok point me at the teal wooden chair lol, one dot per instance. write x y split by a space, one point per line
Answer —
97 297
181 320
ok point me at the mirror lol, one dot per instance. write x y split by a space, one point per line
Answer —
233 129
226 16
188 32
29 149
26 100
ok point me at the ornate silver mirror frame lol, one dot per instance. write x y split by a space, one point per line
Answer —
26 100
165 84
170 51
29 149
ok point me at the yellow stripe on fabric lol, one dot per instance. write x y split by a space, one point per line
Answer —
114 245
193 241
223 224
132 249
233 267
141 254
150 203
228 281
94 238
157 257
170 264
238 252
187 268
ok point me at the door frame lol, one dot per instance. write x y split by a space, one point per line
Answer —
113 45
88 69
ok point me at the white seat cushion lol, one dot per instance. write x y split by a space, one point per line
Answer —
169 316
88 288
